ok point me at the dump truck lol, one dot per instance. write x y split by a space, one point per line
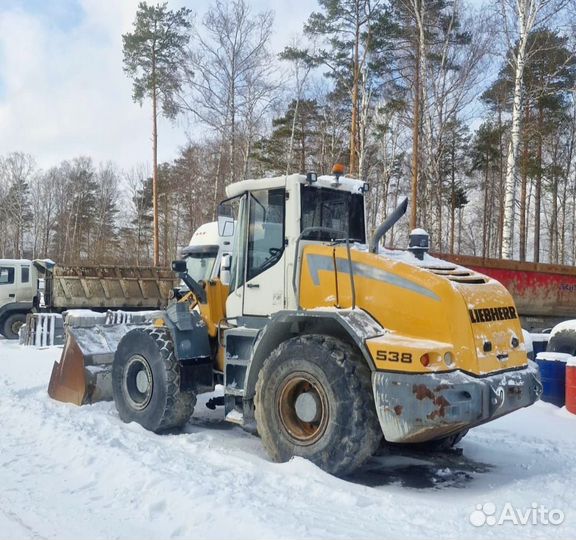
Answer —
325 343
42 286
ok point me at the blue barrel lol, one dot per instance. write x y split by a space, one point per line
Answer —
553 374
539 344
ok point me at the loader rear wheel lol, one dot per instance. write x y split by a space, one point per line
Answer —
146 381
11 325
314 400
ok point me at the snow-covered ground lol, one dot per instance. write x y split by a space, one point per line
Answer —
78 472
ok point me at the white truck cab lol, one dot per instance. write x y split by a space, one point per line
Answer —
205 251
18 294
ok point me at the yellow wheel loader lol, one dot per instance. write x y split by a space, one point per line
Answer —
325 343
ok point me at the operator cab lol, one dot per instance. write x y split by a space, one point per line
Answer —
274 218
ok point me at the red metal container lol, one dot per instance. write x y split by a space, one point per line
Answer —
571 387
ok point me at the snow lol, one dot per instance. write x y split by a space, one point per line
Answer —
564 325
554 356
407 257
79 314
79 472
528 341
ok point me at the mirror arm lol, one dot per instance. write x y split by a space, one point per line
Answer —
194 287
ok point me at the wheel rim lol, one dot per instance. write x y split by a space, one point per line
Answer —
138 382
302 407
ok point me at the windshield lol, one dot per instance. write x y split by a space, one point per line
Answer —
333 209
200 265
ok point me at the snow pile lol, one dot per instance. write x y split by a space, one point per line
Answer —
79 472
407 257
564 325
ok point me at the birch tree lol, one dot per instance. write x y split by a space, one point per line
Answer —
230 71
519 18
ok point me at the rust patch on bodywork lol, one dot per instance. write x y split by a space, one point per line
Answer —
441 402
398 410
421 391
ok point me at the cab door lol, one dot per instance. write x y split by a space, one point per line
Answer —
258 281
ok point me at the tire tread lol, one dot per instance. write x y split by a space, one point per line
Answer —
361 433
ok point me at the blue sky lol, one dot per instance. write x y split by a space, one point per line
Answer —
63 14
62 89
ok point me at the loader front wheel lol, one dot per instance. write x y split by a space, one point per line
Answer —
314 400
146 381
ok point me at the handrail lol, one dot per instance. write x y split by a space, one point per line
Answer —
348 253
351 269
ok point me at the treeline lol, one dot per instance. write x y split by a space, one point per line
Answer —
417 97
82 212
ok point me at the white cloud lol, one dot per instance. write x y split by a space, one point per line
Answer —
63 92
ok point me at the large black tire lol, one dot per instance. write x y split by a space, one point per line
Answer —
335 382
12 324
146 381
563 342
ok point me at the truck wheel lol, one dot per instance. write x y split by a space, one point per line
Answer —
563 342
12 325
314 400
146 381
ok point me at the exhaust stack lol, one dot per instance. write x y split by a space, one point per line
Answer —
389 222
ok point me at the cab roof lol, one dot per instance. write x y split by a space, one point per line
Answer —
14 262
326 181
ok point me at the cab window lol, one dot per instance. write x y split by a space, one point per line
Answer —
25 274
332 209
259 235
6 275
265 231
200 263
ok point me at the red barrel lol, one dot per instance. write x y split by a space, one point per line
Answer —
571 387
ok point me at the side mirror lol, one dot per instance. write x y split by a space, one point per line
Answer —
225 220
225 265
179 266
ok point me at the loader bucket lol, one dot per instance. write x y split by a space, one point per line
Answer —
68 381
84 373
